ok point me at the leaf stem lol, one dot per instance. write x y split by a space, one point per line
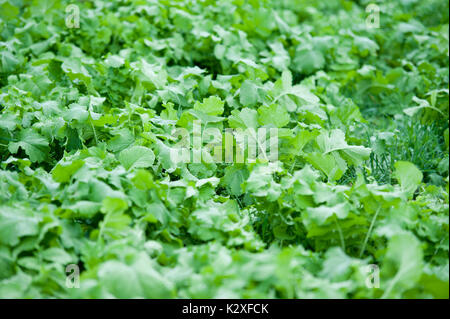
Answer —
391 285
363 247
341 235
93 129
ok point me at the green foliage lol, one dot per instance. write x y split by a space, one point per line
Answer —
88 122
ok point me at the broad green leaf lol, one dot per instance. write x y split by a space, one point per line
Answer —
136 157
333 166
211 106
248 93
245 118
15 287
16 223
408 175
308 61
63 172
274 115
34 145
233 179
320 215
75 70
335 142
402 263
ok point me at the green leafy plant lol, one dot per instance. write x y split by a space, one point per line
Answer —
94 205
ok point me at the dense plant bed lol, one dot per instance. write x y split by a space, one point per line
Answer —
96 97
